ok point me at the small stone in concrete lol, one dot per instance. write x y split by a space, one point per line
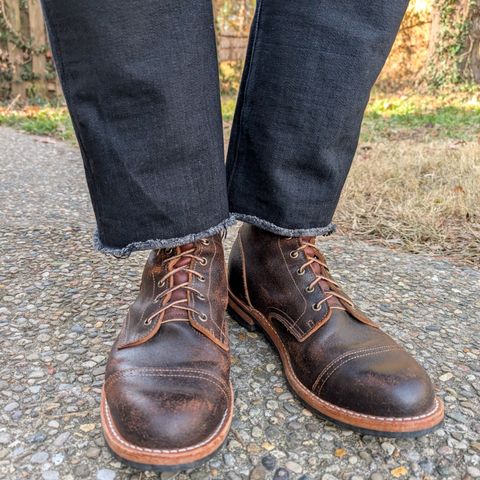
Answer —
328 476
229 459
269 462
78 329
57 458
61 439
474 472
39 457
427 466
81 471
38 437
294 467
106 474
281 474
388 447
258 473
92 452
11 406
50 475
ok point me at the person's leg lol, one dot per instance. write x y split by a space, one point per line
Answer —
141 82
140 79
307 80
310 69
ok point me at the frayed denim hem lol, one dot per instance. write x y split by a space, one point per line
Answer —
125 252
285 232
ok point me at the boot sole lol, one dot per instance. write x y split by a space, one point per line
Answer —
174 460
416 426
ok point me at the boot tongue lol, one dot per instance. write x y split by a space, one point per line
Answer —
310 253
177 279
324 285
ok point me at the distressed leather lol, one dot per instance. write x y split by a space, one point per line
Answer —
167 377
337 353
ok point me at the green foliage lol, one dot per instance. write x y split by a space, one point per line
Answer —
228 108
454 116
448 116
49 121
234 15
447 67
230 75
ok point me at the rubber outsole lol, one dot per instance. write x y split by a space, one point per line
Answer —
163 468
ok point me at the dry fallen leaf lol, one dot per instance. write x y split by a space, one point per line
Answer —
87 427
340 452
399 472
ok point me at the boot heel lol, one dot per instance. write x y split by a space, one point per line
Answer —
238 314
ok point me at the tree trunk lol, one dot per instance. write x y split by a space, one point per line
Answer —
472 59
454 45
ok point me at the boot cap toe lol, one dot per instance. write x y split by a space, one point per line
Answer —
167 410
384 383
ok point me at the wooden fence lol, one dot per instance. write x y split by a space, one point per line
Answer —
26 67
231 47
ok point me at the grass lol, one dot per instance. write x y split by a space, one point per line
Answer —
228 108
455 116
414 184
421 197
51 121
448 115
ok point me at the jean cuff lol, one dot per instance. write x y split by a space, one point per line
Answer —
124 252
285 232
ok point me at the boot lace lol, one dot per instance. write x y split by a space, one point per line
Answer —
324 275
165 295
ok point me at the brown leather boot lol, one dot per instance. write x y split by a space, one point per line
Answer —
167 399
336 360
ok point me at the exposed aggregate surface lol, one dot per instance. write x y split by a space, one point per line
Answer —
62 304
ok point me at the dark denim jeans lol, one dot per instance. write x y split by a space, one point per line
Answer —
141 83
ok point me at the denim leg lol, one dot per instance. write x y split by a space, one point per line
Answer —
141 83
308 75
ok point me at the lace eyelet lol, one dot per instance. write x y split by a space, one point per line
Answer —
201 297
202 279
168 251
316 307
309 290
293 254
205 241
300 272
160 284
203 261
147 322
202 317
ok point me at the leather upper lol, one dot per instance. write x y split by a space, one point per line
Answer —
334 349
167 378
